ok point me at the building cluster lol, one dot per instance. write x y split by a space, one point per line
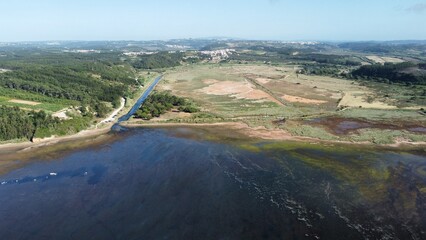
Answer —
133 54
217 55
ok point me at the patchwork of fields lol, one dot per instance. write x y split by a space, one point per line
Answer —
276 97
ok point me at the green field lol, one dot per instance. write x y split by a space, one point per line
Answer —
46 103
249 93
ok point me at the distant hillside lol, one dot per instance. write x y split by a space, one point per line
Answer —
407 72
385 47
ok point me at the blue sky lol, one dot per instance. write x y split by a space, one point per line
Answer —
338 20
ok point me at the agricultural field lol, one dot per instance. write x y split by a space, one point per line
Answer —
383 60
30 101
277 97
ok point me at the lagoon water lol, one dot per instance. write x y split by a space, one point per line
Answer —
182 183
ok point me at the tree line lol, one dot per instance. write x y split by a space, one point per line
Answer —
160 102
158 60
85 78
391 73
16 123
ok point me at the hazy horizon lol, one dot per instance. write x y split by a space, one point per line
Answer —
276 20
213 38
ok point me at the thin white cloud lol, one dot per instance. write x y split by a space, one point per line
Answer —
417 8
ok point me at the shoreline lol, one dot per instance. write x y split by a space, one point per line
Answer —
262 133
27 146
259 133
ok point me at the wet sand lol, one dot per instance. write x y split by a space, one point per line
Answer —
27 146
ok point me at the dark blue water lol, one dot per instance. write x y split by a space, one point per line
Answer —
168 184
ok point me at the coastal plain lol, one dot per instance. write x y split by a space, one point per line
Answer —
279 98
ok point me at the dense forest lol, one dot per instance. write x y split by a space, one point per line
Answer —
406 72
291 54
159 60
15 123
19 124
320 69
90 81
67 76
328 59
159 103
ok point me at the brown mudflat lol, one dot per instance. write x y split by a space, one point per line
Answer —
342 126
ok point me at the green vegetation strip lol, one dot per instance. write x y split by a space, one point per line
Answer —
160 102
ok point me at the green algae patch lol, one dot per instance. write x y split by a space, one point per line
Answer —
250 148
366 168
295 145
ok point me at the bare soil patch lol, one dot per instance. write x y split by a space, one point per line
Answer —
376 59
62 114
239 90
31 103
263 80
392 60
383 60
290 98
210 81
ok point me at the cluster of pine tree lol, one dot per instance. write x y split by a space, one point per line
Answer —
159 103
16 123
159 60
391 73
77 77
